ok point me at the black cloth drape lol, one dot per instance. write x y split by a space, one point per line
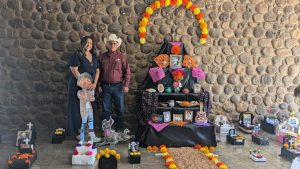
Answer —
175 136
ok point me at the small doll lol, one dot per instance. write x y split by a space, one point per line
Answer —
86 96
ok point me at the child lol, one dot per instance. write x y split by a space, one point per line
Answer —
86 96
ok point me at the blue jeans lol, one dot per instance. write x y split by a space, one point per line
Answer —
110 92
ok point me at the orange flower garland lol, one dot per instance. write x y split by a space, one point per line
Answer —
170 163
211 156
165 3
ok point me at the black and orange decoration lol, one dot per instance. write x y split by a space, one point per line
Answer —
165 3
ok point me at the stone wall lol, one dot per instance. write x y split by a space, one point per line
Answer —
251 58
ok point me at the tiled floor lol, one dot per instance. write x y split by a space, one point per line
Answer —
58 156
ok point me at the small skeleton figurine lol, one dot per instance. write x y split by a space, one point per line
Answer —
86 96
133 146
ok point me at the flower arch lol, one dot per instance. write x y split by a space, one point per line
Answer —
161 3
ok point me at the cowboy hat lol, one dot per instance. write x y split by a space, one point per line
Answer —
113 37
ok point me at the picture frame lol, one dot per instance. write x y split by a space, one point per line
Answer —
175 61
247 119
231 132
197 88
177 117
188 115
23 135
167 116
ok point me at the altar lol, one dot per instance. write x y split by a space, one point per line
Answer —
155 103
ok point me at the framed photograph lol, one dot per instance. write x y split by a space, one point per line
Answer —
23 135
188 116
247 119
177 117
197 88
231 132
167 116
175 61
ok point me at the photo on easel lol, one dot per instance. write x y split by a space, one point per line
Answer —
177 117
23 135
167 116
188 116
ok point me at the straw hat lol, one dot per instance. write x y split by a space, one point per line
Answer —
113 37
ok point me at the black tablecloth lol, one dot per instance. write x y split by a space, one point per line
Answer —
176 136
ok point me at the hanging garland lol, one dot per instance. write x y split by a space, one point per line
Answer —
161 3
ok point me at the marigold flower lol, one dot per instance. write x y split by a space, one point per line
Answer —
113 152
185 2
172 166
219 163
169 159
142 40
223 167
197 11
179 2
101 152
142 29
197 146
157 4
154 148
193 7
145 19
107 155
149 148
204 31
118 156
163 150
149 10
161 146
143 24
212 148
173 2
153 6
162 2
169 163
202 41
189 4
167 2
146 15
167 156
200 15
206 151
203 25
214 159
